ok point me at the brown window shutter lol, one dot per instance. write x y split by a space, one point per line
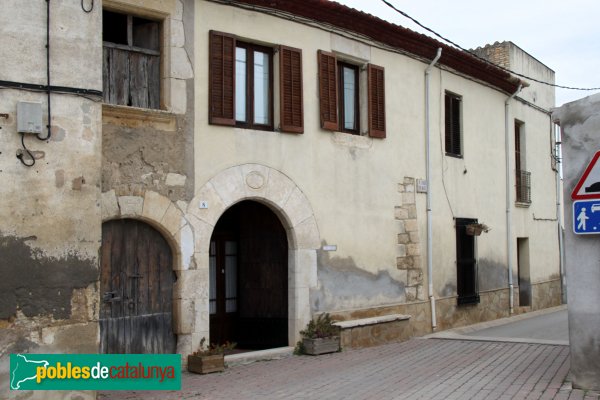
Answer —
448 123
452 123
376 96
328 90
221 101
290 73
456 145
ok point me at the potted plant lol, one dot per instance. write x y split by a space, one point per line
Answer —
320 336
208 358
476 229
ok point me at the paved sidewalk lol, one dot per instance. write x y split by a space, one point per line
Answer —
416 369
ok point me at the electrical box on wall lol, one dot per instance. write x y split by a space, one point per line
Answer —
29 117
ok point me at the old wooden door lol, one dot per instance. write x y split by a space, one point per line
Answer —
249 278
136 286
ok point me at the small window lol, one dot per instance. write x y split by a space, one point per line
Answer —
348 98
131 65
241 78
340 97
523 177
253 86
453 124
467 286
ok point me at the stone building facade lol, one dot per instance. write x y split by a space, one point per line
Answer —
310 199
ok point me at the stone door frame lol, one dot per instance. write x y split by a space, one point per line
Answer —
278 192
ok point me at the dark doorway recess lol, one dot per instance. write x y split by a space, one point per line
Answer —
249 278
136 286
466 264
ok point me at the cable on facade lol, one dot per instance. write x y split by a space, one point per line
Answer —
20 153
481 58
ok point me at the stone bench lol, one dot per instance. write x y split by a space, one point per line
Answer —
374 331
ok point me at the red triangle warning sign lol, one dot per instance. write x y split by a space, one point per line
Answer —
588 186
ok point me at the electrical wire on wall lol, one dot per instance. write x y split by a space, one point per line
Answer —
482 58
20 153
48 89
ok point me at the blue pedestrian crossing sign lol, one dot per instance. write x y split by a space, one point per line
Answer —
586 217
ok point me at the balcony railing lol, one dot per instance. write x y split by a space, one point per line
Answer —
523 186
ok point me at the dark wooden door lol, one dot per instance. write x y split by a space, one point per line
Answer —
466 264
136 286
249 303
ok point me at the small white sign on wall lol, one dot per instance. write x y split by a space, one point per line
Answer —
421 186
203 204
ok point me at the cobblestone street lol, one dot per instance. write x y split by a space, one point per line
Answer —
417 369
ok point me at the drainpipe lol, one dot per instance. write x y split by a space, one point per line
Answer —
428 177
508 205
561 252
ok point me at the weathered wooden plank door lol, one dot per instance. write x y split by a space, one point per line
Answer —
136 286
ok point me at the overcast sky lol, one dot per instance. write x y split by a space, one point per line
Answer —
562 34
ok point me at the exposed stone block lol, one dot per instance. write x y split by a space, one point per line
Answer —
411 225
420 292
413 249
401 188
414 237
175 179
109 205
411 293
400 213
400 226
412 211
404 238
131 205
415 277
409 181
155 206
417 261
404 262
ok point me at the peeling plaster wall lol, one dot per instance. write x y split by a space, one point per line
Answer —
344 285
153 149
580 122
50 213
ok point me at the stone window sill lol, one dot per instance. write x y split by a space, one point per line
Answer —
522 205
136 117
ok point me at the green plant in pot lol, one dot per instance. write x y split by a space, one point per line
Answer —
320 336
208 358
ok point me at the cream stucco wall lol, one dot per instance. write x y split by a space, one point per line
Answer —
352 182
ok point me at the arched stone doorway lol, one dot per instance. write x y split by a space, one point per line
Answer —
249 278
136 288
287 201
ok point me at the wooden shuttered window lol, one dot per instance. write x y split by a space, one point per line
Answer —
291 101
329 107
452 119
221 79
328 90
376 98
